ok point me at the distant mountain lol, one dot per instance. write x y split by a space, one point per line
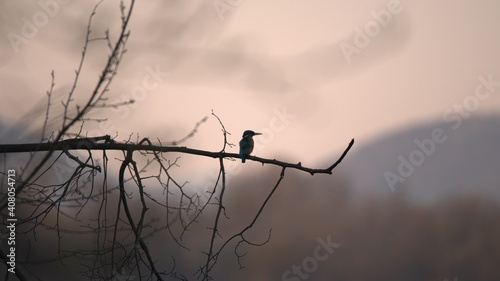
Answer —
431 162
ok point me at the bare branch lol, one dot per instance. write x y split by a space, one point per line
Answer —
122 230
90 144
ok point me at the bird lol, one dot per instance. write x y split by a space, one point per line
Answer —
246 144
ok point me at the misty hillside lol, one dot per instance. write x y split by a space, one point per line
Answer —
430 162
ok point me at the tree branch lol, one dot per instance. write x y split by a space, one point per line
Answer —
92 144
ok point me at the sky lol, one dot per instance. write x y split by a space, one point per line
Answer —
309 75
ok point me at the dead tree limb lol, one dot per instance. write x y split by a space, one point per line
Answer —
92 144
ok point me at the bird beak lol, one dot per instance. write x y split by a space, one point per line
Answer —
256 134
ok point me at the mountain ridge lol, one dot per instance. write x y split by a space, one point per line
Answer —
429 162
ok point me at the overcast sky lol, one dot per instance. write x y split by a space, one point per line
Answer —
310 75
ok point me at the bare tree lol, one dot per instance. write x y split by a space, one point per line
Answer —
116 216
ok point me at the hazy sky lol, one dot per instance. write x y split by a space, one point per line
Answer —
310 75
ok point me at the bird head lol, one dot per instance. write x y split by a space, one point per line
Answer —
250 133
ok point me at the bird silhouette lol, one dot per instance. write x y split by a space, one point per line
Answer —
246 144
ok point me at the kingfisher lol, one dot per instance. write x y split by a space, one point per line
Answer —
246 144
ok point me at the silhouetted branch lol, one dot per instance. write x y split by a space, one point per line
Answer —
101 87
213 256
130 250
90 144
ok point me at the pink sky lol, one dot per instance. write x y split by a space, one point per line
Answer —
256 61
